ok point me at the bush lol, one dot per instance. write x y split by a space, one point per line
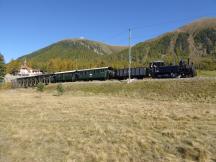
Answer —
60 89
40 87
5 85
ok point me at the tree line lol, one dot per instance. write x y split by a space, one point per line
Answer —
58 64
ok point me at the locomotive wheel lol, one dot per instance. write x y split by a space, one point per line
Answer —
174 75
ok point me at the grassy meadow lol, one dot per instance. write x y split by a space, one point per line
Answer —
152 120
206 73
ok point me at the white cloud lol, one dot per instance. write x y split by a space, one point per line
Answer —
82 37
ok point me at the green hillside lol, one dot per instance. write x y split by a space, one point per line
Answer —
196 41
73 49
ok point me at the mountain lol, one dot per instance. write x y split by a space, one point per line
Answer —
196 41
73 48
67 55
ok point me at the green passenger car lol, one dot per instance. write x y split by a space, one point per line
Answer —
102 73
66 76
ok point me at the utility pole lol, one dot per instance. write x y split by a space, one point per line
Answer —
129 57
174 56
76 64
174 61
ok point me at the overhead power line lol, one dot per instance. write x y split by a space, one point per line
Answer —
172 21
122 34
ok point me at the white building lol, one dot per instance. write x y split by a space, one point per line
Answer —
27 71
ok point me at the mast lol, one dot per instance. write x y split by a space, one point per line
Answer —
129 56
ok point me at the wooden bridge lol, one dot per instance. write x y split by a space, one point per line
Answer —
31 81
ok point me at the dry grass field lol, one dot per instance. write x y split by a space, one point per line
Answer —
152 120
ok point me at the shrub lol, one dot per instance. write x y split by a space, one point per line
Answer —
40 87
5 85
60 89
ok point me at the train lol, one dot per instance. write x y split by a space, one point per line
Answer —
156 69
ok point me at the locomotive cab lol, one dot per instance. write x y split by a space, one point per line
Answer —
156 64
158 69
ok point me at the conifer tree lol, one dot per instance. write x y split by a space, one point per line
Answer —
2 66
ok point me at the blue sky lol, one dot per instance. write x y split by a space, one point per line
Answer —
28 25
